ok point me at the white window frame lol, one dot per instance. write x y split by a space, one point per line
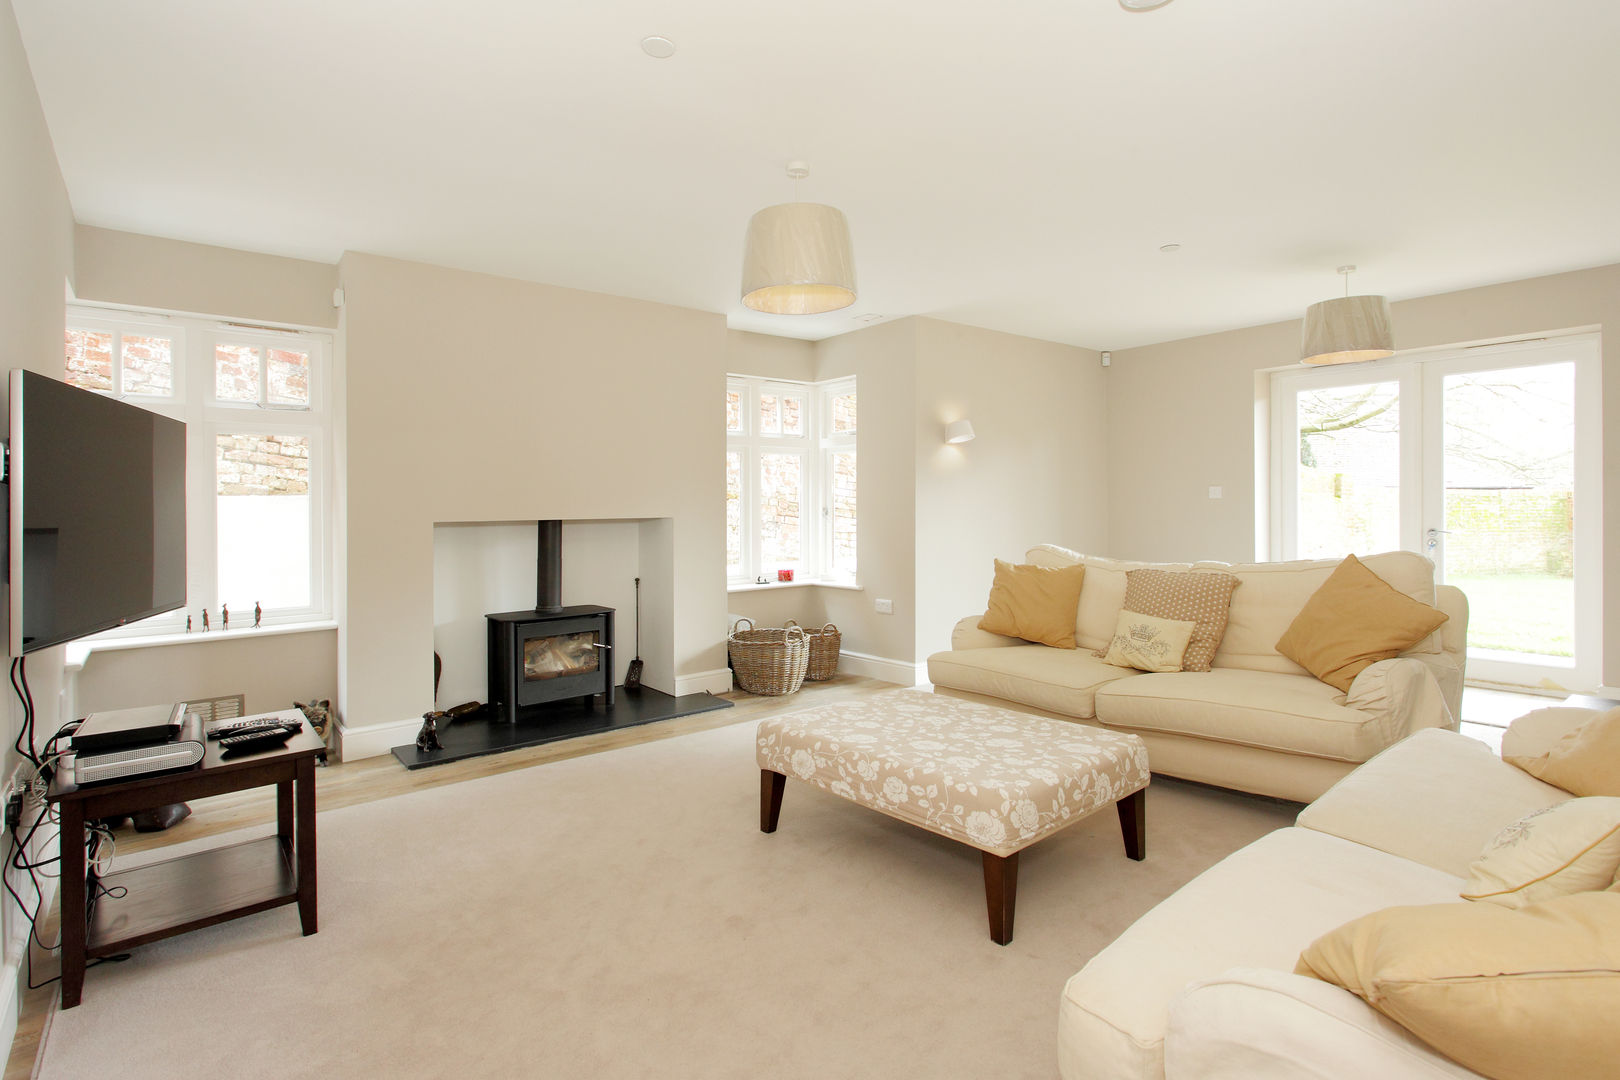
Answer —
206 418
815 446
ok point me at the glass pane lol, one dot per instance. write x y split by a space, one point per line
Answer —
148 365
843 514
843 414
1349 470
556 655
733 510
287 371
770 415
1510 506
262 484
792 414
734 412
781 496
89 360
236 373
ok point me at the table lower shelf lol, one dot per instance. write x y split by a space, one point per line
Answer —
191 892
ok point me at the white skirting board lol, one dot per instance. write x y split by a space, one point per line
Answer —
903 672
716 681
373 740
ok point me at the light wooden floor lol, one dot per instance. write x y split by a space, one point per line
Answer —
347 784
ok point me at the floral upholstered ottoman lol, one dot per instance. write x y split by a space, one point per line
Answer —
994 779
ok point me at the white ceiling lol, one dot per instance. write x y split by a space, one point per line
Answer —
1009 165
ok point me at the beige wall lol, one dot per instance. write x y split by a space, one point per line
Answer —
172 275
36 262
1034 473
770 357
883 359
272 672
1189 407
527 401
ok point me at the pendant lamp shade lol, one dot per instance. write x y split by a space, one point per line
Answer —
797 260
1347 330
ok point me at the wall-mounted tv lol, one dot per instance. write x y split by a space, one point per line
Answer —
98 513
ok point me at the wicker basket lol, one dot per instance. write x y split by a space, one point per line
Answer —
769 662
824 644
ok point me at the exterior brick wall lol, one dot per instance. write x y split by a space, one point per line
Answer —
262 464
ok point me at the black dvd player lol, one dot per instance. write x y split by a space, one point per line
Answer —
121 728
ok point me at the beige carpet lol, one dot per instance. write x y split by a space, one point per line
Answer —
621 915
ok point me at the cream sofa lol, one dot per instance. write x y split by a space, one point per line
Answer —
1257 722
1201 987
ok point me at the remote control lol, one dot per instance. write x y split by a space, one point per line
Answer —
258 740
250 727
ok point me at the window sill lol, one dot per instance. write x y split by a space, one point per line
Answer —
80 651
753 586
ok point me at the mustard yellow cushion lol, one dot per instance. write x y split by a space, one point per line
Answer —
1512 994
1150 644
1586 761
1571 847
1036 603
1354 620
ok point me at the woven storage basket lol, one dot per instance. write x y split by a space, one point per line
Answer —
769 662
824 644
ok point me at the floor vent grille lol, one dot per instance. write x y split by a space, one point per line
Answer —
224 707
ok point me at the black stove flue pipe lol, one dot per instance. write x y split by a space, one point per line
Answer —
548 581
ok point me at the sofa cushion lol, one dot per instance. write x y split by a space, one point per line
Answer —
1514 994
1149 644
1571 847
1202 596
1258 907
1057 680
1353 621
1252 1024
1295 714
1586 761
1036 603
1436 798
1103 595
1271 594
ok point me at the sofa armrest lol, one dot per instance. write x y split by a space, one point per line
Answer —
1535 732
1404 694
1256 1024
967 635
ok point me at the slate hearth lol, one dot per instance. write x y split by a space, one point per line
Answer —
478 735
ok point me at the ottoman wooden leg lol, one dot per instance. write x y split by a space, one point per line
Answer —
770 799
1133 823
1000 894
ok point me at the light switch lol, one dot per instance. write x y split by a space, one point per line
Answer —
883 607
1214 492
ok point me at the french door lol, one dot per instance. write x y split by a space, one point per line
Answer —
1487 460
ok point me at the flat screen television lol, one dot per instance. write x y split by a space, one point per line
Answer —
98 513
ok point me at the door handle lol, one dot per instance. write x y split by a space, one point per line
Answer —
1434 537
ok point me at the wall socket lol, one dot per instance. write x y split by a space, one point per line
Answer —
883 607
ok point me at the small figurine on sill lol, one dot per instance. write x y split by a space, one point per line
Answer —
205 620
258 613
427 739
188 624
224 616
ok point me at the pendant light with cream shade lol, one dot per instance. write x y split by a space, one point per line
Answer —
1347 330
797 258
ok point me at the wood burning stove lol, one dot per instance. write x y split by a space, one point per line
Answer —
537 657
552 653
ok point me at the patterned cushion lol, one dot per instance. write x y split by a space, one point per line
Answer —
991 778
1202 597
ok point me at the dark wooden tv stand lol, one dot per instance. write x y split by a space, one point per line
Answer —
193 891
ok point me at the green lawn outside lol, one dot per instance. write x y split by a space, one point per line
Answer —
1524 613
